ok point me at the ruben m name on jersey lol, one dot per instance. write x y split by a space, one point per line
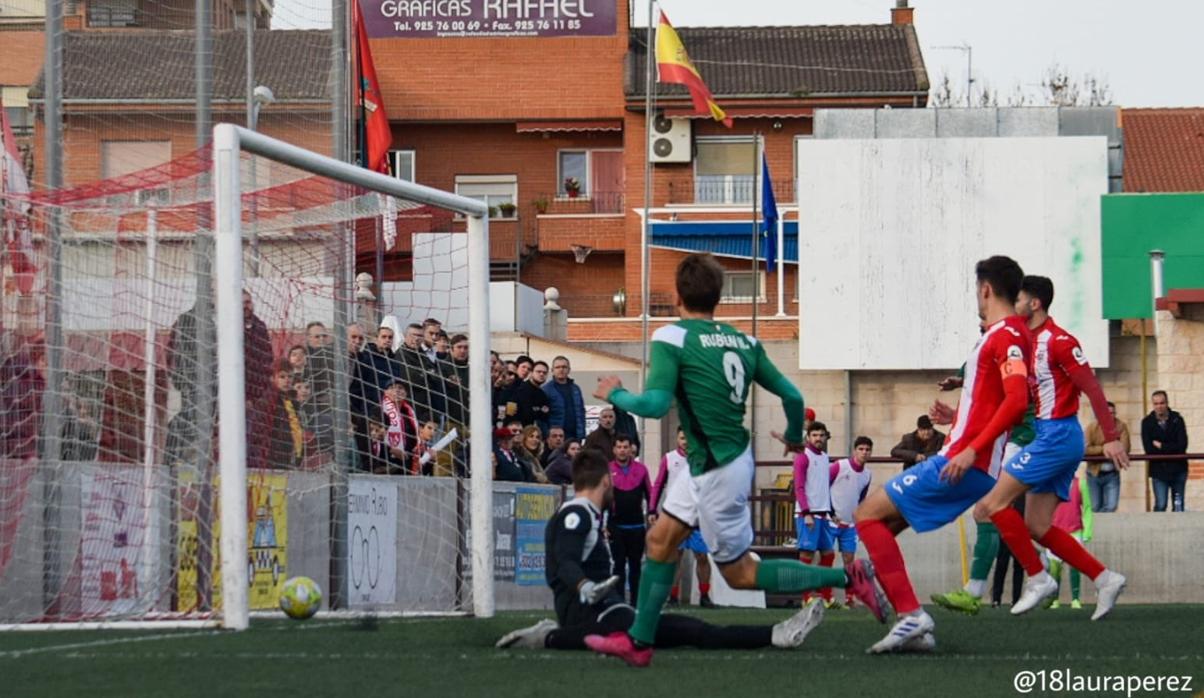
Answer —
723 341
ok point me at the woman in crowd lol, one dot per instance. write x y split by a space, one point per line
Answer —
529 449
560 467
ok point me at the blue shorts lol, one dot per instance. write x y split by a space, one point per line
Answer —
927 502
695 543
1048 464
817 536
845 537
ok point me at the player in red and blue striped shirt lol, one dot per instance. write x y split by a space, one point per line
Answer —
937 490
1043 470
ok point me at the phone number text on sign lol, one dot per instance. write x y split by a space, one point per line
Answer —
483 18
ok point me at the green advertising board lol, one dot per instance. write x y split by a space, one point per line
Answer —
1134 224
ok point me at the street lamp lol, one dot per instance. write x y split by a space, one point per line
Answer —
261 95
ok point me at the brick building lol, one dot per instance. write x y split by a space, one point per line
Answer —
537 110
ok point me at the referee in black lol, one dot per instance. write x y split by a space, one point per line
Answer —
578 569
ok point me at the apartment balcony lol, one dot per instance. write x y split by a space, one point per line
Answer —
726 190
596 220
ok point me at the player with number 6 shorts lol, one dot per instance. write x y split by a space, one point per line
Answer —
937 490
1043 470
708 367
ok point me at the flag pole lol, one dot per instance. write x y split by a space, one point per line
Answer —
781 231
756 235
756 241
647 219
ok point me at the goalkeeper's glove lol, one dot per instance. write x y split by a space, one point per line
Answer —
591 593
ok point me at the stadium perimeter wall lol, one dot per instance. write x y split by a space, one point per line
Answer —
101 526
1157 552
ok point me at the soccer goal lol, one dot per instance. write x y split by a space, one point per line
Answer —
186 422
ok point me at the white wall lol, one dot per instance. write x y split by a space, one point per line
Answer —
96 304
894 227
440 290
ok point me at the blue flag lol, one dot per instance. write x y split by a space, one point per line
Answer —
769 206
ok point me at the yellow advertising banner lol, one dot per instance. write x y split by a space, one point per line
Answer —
267 542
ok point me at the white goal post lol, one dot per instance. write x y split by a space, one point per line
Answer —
229 142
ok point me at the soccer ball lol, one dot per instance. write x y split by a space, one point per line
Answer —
300 598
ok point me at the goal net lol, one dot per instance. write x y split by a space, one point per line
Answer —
196 403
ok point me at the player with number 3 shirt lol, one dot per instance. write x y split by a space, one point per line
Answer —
1043 470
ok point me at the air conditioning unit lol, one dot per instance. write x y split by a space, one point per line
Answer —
669 140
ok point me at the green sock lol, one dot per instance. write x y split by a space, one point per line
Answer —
1076 583
656 581
1055 571
791 576
986 548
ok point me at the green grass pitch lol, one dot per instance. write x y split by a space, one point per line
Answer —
976 656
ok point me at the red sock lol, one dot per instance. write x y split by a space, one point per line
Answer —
704 588
1016 536
674 592
888 565
826 560
1066 547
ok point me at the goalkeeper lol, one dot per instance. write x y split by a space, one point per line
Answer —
578 568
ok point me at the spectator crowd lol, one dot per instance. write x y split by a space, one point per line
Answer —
409 411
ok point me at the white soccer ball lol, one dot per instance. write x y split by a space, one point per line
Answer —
300 598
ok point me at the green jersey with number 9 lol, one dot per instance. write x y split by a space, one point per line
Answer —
709 368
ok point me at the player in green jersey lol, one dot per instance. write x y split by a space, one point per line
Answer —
708 367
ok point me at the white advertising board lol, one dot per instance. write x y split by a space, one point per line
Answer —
372 545
890 230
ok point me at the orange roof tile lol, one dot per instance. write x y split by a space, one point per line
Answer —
1164 150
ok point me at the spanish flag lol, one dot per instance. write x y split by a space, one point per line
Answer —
673 66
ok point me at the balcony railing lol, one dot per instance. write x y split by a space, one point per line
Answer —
585 203
726 190
108 16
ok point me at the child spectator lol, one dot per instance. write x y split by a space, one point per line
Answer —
298 357
317 423
440 463
283 446
377 458
401 428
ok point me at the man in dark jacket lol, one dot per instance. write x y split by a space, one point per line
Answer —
375 368
566 406
1163 432
456 373
531 400
257 352
625 424
422 377
603 438
920 444
319 364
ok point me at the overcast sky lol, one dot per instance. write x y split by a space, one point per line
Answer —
1148 52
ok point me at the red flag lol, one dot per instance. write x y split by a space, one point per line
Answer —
14 207
377 134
